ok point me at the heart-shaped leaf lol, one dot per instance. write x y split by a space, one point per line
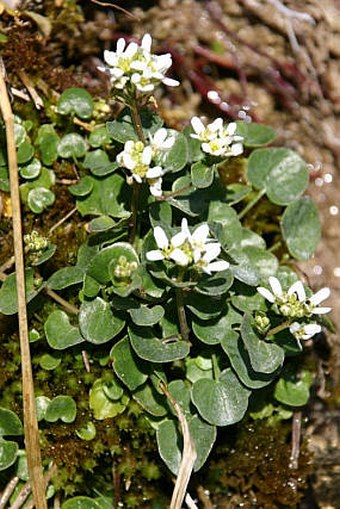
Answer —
147 316
60 334
61 407
130 369
76 101
149 347
97 322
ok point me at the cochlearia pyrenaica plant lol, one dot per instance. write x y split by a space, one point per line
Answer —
196 307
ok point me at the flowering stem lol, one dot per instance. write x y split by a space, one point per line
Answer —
277 329
252 202
137 124
183 324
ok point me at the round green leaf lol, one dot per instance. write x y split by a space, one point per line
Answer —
204 436
31 170
293 388
101 224
102 406
96 159
60 334
97 322
80 503
48 140
46 255
65 277
19 134
72 145
61 407
41 403
87 432
221 402
112 389
205 308
211 332
49 361
131 370
255 135
8 292
99 137
202 175
39 199
264 357
82 188
25 152
239 360
280 171
147 316
76 101
153 402
216 284
123 129
8 453
149 347
10 424
301 228
168 442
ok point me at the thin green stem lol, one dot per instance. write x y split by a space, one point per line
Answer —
216 369
182 318
277 329
252 203
136 119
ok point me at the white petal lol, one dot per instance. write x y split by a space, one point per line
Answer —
231 128
298 288
236 149
218 266
137 178
266 294
179 257
121 43
110 57
216 125
201 233
146 42
197 125
154 173
160 237
294 327
275 285
321 311
147 155
320 296
131 49
159 136
154 255
169 82
311 329
178 239
212 251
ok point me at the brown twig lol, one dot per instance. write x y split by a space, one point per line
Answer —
30 419
121 9
69 307
10 487
188 455
296 436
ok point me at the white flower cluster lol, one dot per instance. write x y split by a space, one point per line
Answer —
135 64
186 248
217 140
294 304
137 157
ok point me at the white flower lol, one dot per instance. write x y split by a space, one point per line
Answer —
276 292
212 251
301 331
168 249
217 140
316 299
136 64
154 179
161 141
136 157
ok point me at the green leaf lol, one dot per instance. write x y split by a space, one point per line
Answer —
212 332
46 255
60 334
75 101
50 361
110 196
216 284
198 367
202 175
280 171
160 213
31 170
221 402
147 316
80 503
4 180
72 145
255 135
175 158
19 134
131 370
101 224
253 264
83 187
25 152
87 431
10 424
47 141
8 292
264 357
41 403
113 389
67 276
123 269
204 307
169 444
239 360
99 137
8 453
301 228
39 199
96 159
149 347
293 387
61 407
97 322
204 436
151 400
225 224
102 406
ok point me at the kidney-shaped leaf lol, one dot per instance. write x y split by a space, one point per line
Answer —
60 334
255 135
97 322
147 346
76 101
8 292
280 171
221 402
147 316
301 228
8 453
264 357
61 407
